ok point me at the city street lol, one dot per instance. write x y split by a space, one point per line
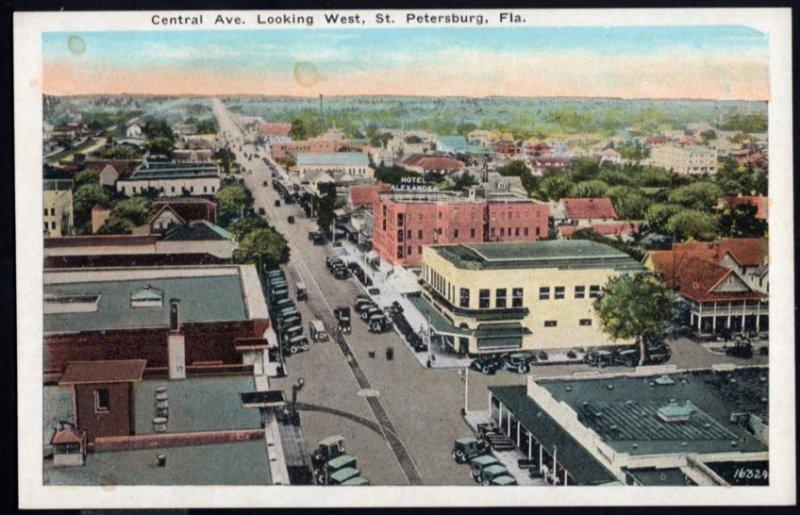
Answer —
422 405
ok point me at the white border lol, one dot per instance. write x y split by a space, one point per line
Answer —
28 28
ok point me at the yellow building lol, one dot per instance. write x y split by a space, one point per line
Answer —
57 208
494 297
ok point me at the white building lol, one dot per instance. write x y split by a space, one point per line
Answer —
689 160
57 208
172 180
355 164
134 131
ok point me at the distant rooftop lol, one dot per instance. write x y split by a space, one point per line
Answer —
169 170
331 158
569 254
200 230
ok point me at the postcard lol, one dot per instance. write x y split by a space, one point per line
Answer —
451 257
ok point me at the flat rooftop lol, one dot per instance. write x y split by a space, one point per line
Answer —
634 414
154 171
567 254
103 300
331 158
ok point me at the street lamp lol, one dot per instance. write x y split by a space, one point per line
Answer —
465 378
295 418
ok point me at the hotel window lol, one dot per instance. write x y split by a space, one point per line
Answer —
102 400
500 298
472 233
544 293
516 231
550 323
472 216
408 234
419 234
400 252
585 321
419 250
525 231
440 215
483 298
399 234
537 231
502 231
408 251
399 218
455 233
516 298
558 293
384 224
463 300
580 292
594 291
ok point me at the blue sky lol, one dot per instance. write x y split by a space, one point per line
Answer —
334 52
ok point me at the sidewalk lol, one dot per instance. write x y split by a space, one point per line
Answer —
394 284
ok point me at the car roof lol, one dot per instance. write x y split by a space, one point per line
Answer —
358 480
331 440
341 461
345 474
504 480
495 469
486 459
466 440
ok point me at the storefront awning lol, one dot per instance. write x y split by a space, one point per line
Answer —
439 323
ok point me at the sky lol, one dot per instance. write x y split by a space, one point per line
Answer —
703 62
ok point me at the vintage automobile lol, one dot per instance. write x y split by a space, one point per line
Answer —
290 219
488 474
356 481
518 362
302 293
503 481
342 314
316 329
467 448
488 364
323 473
342 475
378 323
479 463
327 449
296 344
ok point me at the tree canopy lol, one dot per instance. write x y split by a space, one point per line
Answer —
700 196
263 246
693 224
741 222
638 307
232 200
326 203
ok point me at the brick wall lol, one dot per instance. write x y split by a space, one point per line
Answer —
156 440
149 344
216 342
114 421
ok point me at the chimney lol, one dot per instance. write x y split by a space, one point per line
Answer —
175 315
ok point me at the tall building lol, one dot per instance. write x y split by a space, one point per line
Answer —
688 160
406 222
527 296
57 208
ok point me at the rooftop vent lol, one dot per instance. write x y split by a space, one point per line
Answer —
70 303
674 412
664 380
147 297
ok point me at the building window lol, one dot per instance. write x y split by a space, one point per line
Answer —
585 321
537 232
102 400
500 298
400 252
419 217
516 298
472 233
550 323
408 251
45 211
54 225
502 231
45 226
544 293
559 292
52 211
419 234
408 234
580 292
399 234
463 300
594 291
173 189
440 215
455 233
525 231
399 218
492 232
516 231
483 299
419 250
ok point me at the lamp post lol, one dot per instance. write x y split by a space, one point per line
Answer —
428 341
465 378
295 419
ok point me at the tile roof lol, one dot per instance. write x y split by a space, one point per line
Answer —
67 436
605 229
367 195
432 162
111 371
696 277
586 208
745 251
275 129
761 203
123 167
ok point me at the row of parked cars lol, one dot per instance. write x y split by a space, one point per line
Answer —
332 466
413 337
371 314
485 468
337 267
288 320
517 362
656 353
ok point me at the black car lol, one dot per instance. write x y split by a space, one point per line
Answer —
290 219
488 364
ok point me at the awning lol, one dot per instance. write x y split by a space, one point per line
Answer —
272 338
497 331
439 323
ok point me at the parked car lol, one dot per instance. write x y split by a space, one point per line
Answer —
327 449
290 219
503 481
317 332
378 323
369 312
323 473
345 474
467 448
356 481
296 344
479 463
599 358
491 472
277 203
342 314
518 362
488 364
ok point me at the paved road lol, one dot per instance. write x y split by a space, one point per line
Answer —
418 411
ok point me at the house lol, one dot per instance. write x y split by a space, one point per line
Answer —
164 219
625 231
57 212
188 208
640 428
451 144
724 283
367 195
274 131
172 179
505 148
540 149
585 212
610 155
424 163
111 170
133 131
185 155
100 213
539 165
321 145
354 164
521 295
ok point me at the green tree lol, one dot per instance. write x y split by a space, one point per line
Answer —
116 151
87 176
515 168
613 176
463 181
700 196
555 185
630 203
232 200
135 209
658 216
225 158
265 247
247 225
326 204
298 130
589 189
84 199
637 307
741 222
158 129
393 174
207 126
160 145
692 224
117 225
584 169
465 128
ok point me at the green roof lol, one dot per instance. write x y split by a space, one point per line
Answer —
561 254
152 171
501 330
486 459
632 414
344 474
202 299
440 324
454 142
341 461
331 158
660 477
582 466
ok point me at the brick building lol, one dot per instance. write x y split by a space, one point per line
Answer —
177 318
406 222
